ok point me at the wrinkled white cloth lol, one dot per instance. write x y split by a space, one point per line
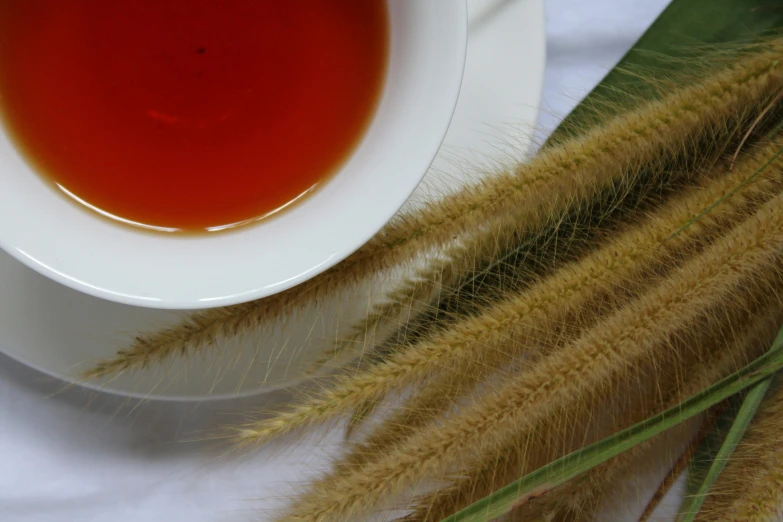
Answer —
79 455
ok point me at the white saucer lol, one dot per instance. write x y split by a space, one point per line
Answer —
60 331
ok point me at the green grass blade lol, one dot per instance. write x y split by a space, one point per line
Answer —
710 444
683 25
746 413
692 503
578 462
733 191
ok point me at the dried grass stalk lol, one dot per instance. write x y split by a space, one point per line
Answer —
524 321
477 223
624 262
726 353
737 266
440 277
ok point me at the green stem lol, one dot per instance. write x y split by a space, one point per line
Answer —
741 422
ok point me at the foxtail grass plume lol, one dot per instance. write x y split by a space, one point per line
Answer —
733 270
480 221
692 361
584 497
442 275
626 261
518 324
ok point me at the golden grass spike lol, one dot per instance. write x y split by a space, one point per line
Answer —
750 488
730 273
484 340
419 292
646 243
679 371
586 496
486 217
421 304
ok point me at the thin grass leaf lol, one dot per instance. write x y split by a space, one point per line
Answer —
741 422
671 39
710 445
739 187
578 462
750 488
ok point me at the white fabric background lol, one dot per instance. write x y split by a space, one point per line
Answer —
78 455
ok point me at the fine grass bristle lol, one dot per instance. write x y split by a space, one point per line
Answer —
693 361
518 324
733 272
440 279
622 263
750 488
678 371
477 223
724 354
534 255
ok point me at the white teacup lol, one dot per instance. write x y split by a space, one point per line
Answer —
40 228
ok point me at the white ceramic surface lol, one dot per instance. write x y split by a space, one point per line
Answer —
56 238
59 330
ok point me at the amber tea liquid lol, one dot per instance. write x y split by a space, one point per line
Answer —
190 114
